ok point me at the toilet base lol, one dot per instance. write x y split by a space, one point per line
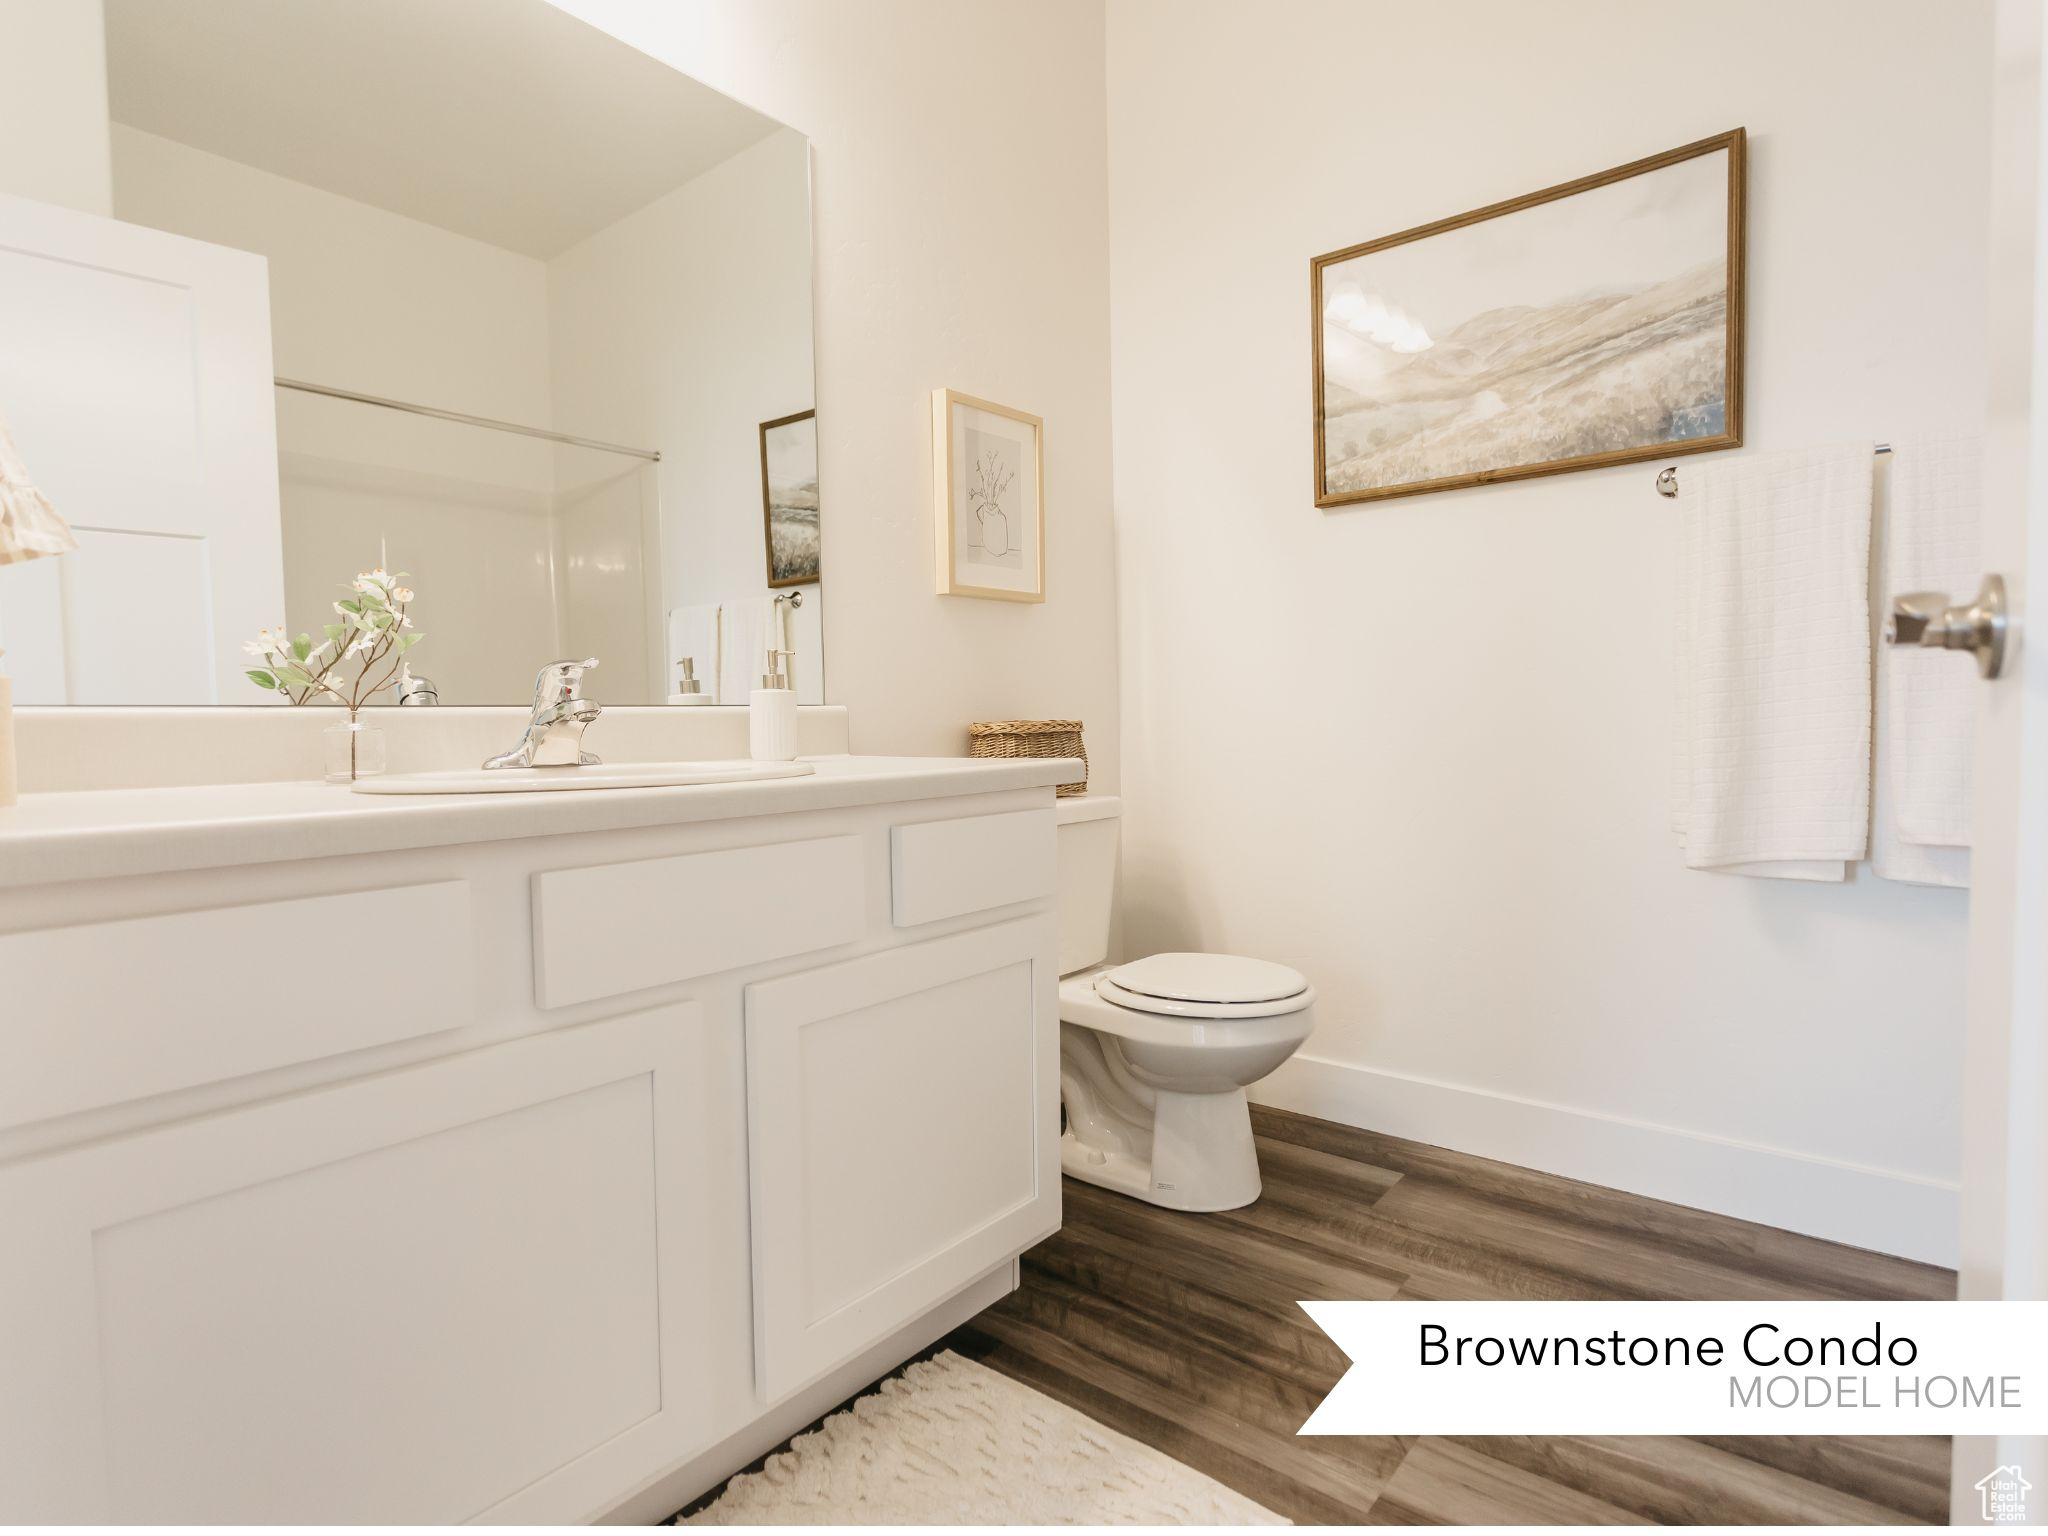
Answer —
1219 1179
1184 1151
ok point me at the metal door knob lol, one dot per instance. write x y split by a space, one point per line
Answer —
1925 618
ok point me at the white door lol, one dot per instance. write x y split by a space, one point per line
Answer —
469 1290
135 369
2005 1153
903 1137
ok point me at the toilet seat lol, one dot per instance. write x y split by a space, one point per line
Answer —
1204 986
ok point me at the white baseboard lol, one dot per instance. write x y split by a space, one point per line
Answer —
1874 1208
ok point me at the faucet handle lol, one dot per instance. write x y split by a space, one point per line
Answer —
560 680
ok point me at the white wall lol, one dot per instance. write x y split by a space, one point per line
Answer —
719 269
922 115
361 298
1419 748
53 108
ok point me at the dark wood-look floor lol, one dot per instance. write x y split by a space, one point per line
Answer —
1182 1331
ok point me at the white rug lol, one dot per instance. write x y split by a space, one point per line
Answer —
950 1442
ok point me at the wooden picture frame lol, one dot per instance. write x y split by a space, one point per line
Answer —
793 456
988 465
1409 419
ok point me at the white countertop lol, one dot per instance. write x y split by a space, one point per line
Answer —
97 834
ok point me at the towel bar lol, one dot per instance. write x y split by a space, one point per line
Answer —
1667 477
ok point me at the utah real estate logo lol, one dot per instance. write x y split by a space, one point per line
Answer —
2005 1495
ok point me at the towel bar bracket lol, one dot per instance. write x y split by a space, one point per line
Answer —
1667 477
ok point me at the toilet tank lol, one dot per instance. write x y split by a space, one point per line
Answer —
1087 877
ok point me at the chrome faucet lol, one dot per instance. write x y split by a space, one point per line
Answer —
554 736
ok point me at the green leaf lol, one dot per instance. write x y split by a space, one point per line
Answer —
382 620
262 679
295 676
407 642
350 604
302 647
334 632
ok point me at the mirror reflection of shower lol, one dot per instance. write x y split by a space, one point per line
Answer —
596 246
517 543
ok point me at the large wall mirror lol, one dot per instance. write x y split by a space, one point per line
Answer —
539 334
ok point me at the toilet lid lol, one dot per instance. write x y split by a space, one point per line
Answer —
1197 978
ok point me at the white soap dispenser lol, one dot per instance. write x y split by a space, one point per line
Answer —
688 689
771 714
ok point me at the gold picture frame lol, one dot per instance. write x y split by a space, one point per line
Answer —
789 478
1409 414
988 477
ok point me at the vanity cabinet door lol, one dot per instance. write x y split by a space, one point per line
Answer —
903 1126
470 1289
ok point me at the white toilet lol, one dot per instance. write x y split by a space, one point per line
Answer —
1155 1055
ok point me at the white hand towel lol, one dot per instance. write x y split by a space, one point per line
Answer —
1932 545
693 632
1892 857
748 629
1772 753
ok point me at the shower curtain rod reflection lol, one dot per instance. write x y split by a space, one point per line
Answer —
653 456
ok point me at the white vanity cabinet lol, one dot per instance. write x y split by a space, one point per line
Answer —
555 1174
898 1107
464 1288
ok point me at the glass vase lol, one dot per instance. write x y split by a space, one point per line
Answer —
354 751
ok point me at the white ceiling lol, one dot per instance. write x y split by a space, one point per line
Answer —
506 120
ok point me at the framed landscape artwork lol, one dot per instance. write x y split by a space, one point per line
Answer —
789 498
1594 323
988 492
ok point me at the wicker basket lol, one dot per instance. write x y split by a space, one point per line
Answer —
1031 738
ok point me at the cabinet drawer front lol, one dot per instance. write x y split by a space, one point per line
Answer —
468 1289
903 1128
102 1013
607 929
970 864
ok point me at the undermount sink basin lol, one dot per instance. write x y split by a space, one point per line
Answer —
498 781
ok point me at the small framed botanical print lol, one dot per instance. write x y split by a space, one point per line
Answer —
988 489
